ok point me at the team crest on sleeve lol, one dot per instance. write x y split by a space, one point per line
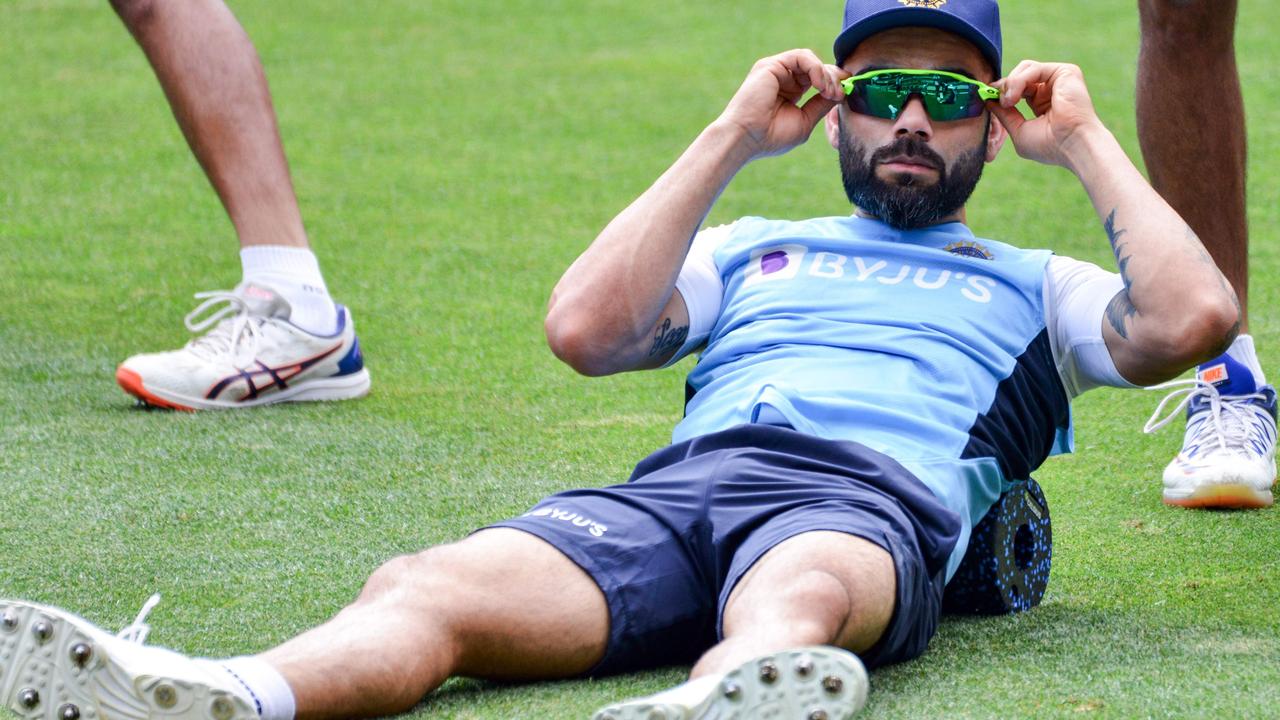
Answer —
968 248
930 4
780 262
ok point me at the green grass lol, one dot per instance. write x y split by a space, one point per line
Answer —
451 159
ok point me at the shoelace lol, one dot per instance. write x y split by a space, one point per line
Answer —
1228 421
235 337
137 631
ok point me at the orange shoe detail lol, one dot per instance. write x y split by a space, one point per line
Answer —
1224 497
132 384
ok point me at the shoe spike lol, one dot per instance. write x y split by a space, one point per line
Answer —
81 653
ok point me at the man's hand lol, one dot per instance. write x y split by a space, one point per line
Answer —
765 108
1063 110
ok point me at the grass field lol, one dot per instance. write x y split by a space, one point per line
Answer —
452 158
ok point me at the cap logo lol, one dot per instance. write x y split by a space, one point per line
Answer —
930 4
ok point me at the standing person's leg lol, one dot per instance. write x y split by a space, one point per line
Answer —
216 87
1195 154
500 604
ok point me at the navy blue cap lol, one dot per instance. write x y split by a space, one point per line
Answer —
977 21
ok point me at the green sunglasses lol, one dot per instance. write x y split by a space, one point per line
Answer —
946 95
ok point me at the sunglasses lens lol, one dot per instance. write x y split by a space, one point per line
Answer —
953 100
881 96
945 98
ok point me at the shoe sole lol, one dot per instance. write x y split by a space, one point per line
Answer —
343 387
816 683
53 665
1226 496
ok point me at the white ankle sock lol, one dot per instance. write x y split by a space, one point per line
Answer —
293 272
257 682
1243 352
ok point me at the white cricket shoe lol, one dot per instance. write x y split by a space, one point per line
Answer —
1228 457
812 683
252 356
56 665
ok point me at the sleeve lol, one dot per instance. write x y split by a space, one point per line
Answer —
701 286
1076 297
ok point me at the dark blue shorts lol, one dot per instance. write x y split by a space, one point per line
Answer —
667 547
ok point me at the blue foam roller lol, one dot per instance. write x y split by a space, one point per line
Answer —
1006 567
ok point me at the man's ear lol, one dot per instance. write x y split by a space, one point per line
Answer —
833 127
996 135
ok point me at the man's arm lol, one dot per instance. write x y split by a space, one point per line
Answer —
615 308
1176 308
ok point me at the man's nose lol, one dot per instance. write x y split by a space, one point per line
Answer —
913 120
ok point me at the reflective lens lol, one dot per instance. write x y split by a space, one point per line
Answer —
946 95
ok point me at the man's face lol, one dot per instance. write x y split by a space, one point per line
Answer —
913 171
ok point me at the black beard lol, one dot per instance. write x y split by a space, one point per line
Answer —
901 202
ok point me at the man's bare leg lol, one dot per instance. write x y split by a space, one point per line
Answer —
1191 127
815 589
218 91
820 588
501 604
1191 124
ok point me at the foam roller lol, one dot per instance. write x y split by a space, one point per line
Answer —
1006 567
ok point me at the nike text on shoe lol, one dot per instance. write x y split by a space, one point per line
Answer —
1228 457
56 665
813 683
252 356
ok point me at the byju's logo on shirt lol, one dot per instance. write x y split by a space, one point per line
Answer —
785 262
775 263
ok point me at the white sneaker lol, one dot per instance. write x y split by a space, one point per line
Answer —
1228 457
813 683
56 665
252 356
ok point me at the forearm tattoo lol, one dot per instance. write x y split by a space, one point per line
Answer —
1120 310
667 338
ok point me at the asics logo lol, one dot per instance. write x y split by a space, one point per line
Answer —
271 378
785 262
573 518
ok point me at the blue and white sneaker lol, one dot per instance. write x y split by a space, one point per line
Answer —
1228 457
251 355
812 683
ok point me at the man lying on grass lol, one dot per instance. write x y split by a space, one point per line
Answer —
868 385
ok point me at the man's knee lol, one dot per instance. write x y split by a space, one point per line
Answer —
134 13
814 604
1188 21
417 576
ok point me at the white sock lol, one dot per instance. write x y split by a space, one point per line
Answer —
293 272
1243 352
261 685
689 693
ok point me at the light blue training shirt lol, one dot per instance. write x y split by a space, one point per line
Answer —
954 355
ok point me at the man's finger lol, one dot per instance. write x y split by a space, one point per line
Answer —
1010 117
816 108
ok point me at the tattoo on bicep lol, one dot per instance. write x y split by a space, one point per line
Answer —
1119 311
667 338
